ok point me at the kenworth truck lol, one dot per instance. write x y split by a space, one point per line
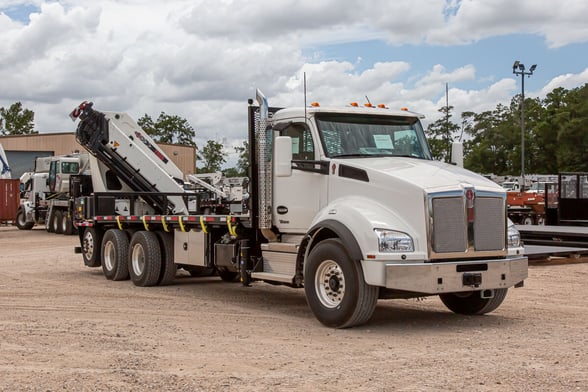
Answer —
344 202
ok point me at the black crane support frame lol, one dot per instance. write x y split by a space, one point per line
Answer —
92 133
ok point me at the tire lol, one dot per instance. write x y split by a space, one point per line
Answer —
226 274
66 223
115 255
92 246
56 222
21 220
527 220
144 259
168 267
335 289
471 303
49 225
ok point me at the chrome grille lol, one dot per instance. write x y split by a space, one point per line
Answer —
489 224
449 225
467 226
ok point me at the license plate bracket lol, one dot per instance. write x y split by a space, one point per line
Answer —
471 279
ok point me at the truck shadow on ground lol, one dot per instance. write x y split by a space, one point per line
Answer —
269 301
426 314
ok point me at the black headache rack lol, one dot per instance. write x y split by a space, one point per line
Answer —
92 133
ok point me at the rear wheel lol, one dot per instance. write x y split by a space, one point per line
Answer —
49 222
144 259
168 267
115 253
335 288
66 223
227 275
472 303
91 246
57 222
21 220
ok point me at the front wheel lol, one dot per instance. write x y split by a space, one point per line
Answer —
472 303
335 288
21 220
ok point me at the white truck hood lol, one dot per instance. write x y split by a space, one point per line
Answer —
423 174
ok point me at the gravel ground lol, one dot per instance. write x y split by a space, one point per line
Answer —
64 327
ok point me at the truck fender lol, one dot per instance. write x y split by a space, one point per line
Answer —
29 211
330 229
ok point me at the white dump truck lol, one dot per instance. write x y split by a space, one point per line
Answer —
344 202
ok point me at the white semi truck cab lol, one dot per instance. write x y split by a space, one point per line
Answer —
344 202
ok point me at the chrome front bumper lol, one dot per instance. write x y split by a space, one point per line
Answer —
446 277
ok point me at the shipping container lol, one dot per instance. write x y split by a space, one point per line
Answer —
9 199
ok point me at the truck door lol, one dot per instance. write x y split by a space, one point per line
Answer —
298 198
53 173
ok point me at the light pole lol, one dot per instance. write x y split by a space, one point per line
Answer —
518 68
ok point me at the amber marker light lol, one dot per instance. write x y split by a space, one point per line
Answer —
315 104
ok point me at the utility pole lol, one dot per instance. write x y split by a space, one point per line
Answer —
518 68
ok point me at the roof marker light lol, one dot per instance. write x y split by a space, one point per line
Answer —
315 104
404 109
368 105
354 104
382 106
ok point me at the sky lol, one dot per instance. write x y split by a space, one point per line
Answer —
202 59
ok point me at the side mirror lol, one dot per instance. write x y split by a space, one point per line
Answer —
283 156
457 153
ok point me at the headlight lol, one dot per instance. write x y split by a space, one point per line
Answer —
390 241
514 237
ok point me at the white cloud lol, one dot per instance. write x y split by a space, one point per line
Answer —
567 81
476 20
203 59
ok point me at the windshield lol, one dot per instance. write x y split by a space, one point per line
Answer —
70 167
352 135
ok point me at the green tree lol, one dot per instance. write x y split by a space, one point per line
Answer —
16 120
440 135
491 146
212 157
168 129
572 138
242 168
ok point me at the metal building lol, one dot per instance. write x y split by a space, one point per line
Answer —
21 150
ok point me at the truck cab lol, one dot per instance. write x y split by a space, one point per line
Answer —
356 193
60 170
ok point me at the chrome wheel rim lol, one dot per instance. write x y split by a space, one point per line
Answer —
138 260
330 284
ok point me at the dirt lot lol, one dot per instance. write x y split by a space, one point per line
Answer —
63 326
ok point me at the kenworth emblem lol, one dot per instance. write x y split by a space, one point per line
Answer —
470 205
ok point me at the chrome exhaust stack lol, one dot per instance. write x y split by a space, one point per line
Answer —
264 155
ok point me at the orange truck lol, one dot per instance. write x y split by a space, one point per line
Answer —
528 207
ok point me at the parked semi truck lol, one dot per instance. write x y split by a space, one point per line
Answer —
343 202
45 195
